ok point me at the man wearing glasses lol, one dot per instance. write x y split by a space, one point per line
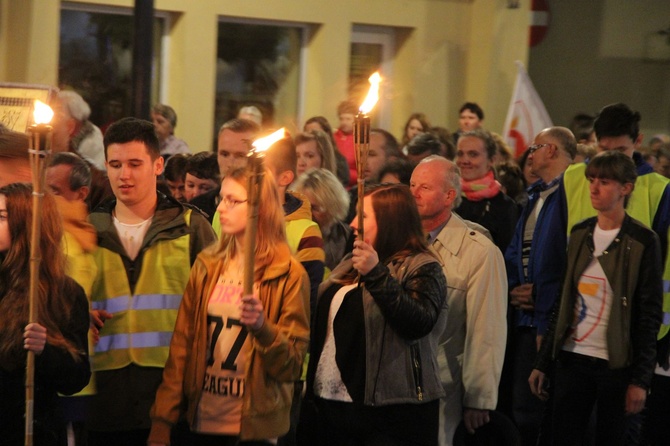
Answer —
535 261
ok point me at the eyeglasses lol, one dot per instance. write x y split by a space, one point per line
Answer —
534 148
230 203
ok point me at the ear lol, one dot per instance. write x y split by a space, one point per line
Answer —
285 178
449 198
638 142
83 192
627 189
158 165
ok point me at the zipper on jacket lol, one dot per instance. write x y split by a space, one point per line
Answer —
416 369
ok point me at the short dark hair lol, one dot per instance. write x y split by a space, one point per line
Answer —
133 129
204 165
617 120
485 136
80 175
238 125
446 140
391 147
283 155
582 126
399 167
175 167
612 165
424 142
474 108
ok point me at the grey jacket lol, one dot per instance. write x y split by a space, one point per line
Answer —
405 313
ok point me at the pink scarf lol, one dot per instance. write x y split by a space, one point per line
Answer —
482 188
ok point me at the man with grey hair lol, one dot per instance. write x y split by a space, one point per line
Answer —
164 119
75 133
252 113
69 176
535 260
473 345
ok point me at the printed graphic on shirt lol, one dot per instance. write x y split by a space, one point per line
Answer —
219 410
592 308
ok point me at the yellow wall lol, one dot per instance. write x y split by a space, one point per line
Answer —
447 52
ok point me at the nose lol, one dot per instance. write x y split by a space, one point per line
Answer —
594 187
354 224
125 171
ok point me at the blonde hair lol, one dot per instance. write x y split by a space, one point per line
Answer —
328 193
271 235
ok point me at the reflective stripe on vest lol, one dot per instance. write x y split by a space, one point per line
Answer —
136 340
141 327
139 302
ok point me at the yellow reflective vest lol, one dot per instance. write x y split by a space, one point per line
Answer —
642 206
143 295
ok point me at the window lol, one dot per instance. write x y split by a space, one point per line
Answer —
258 64
372 49
96 58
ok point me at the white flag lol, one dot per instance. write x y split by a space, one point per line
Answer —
526 115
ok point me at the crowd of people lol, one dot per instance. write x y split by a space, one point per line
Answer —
470 294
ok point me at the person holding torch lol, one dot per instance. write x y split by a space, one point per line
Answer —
58 337
243 326
373 373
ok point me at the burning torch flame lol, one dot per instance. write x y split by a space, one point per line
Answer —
262 144
373 94
42 113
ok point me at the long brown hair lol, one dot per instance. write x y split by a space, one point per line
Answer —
53 306
271 234
399 230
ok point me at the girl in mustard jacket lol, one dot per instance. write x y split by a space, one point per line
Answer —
233 357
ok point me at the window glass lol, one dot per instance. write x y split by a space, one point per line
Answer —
259 65
372 49
96 59
365 59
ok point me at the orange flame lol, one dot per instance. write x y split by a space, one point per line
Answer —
373 94
262 144
42 113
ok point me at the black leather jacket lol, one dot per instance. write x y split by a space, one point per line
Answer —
633 267
404 311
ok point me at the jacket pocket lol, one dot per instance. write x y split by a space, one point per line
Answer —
416 370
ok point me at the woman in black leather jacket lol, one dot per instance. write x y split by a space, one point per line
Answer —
373 371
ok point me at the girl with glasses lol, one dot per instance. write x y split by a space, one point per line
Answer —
234 357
